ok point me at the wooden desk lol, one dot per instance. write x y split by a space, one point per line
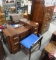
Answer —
14 36
49 50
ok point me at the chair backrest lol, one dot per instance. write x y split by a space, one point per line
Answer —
38 41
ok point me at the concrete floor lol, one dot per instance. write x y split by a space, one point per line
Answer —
34 56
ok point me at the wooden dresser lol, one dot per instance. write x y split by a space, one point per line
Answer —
48 12
2 53
41 14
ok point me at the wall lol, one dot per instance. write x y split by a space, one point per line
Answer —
52 27
7 5
50 2
1 2
17 0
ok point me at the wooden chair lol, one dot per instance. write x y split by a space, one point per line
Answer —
31 42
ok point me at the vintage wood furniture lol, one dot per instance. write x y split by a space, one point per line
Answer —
14 36
30 42
33 24
41 14
51 48
49 51
12 39
2 52
48 12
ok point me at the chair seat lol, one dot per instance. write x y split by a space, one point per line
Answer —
29 41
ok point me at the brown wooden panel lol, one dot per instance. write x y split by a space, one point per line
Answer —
2 53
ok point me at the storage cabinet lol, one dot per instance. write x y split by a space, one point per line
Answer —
2 53
48 12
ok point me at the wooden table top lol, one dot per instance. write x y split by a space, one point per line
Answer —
10 31
22 29
51 48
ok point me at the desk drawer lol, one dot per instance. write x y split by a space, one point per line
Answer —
23 35
15 48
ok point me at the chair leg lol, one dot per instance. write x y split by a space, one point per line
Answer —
29 54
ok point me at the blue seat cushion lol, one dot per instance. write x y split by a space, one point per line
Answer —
28 41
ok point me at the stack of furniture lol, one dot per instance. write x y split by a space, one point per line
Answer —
2 16
41 14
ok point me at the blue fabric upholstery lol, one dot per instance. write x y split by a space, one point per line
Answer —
28 41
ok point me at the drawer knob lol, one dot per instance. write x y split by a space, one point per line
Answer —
16 43
35 32
15 38
45 25
48 9
36 23
35 28
15 49
47 19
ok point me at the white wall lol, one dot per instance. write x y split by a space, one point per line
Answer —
50 2
1 2
52 27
